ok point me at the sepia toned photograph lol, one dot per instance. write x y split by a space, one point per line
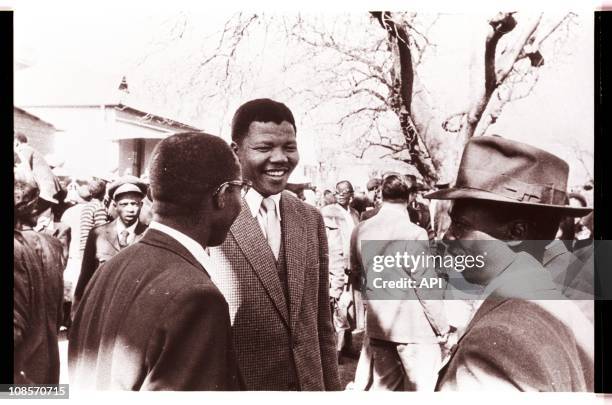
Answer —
243 200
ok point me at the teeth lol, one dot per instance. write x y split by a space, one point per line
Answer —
275 172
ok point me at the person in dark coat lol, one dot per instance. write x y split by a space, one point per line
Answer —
152 318
37 291
509 199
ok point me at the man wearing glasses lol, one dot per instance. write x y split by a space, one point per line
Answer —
273 267
151 318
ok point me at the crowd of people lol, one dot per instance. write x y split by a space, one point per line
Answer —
212 273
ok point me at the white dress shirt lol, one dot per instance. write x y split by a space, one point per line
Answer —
188 243
254 201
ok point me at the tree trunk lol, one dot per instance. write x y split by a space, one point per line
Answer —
401 97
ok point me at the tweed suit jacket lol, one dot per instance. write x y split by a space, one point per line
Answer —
272 336
152 320
102 244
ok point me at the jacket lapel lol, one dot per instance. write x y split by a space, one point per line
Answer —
247 234
110 232
523 279
294 239
139 231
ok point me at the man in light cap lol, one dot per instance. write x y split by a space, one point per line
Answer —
509 198
107 240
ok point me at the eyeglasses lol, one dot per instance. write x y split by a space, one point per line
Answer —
245 185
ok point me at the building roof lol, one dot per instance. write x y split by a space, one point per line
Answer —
56 87
35 118
153 118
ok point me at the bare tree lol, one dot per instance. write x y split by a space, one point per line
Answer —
365 81
509 74
384 79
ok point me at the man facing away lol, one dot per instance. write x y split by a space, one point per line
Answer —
273 266
152 318
405 333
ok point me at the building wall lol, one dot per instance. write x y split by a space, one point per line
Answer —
86 141
100 140
41 136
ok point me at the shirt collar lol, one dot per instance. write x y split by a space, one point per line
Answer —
254 199
121 226
396 208
196 250
553 249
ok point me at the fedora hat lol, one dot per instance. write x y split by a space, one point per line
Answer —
498 169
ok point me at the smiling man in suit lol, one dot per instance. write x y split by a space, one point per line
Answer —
152 319
273 267
105 241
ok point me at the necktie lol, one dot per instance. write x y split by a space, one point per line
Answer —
272 225
123 237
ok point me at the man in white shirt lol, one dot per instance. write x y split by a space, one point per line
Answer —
152 318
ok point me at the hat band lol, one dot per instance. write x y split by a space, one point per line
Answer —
510 187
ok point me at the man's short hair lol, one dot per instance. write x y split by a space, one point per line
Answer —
21 137
186 166
373 184
259 110
97 188
394 187
348 183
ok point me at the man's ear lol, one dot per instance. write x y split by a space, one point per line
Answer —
234 147
219 200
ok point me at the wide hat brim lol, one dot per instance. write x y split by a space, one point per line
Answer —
455 193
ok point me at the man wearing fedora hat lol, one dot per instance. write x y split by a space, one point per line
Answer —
105 241
524 335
